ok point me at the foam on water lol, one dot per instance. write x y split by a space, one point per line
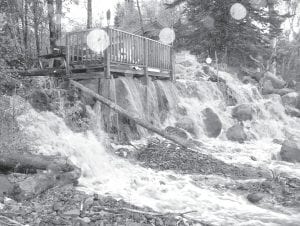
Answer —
107 174
163 191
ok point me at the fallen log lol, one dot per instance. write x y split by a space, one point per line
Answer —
137 119
46 172
30 163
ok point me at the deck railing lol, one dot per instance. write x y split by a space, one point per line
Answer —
125 49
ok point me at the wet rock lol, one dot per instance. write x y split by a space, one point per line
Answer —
277 82
186 63
257 76
236 133
176 132
228 94
290 99
39 100
214 78
248 79
255 197
122 152
57 207
243 112
187 124
5 186
212 122
283 91
294 112
182 111
253 158
278 141
290 151
267 87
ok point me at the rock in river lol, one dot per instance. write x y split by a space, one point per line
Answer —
243 112
236 133
176 132
187 124
212 122
255 197
290 151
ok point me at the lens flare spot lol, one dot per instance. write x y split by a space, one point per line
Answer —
208 22
208 60
258 4
167 35
97 40
57 19
238 11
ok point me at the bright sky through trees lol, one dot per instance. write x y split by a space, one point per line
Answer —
78 11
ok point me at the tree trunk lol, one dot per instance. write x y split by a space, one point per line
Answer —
58 19
52 36
25 28
140 16
36 26
272 64
135 118
89 14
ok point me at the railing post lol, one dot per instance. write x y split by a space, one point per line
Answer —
68 54
107 55
146 57
172 64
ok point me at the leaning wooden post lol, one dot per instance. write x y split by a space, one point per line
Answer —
146 75
136 118
107 55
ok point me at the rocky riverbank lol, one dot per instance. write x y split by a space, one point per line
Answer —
68 206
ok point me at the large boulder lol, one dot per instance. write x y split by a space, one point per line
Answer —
40 100
290 151
187 124
212 123
236 133
243 112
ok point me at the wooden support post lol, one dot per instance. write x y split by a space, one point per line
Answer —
67 55
172 64
138 120
146 76
107 56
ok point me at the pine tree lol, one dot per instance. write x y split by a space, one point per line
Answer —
209 28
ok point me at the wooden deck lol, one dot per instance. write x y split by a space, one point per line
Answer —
126 54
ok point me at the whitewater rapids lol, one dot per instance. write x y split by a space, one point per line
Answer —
167 191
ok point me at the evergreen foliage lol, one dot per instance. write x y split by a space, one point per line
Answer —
209 28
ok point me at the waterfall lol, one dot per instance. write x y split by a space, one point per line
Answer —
106 174
167 191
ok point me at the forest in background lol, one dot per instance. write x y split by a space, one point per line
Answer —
267 37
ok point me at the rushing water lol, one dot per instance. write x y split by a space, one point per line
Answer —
167 191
